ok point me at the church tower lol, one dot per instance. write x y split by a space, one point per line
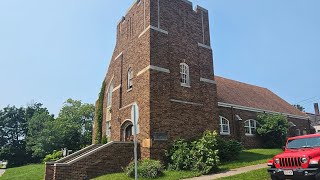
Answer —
163 62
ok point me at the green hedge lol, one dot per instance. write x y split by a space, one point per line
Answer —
56 155
202 155
146 169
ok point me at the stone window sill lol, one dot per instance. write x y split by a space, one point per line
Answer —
225 134
250 135
185 85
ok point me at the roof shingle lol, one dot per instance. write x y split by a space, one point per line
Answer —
238 93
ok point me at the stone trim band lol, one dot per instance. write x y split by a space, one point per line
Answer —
118 56
154 28
207 80
204 46
116 88
186 102
222 104
151 67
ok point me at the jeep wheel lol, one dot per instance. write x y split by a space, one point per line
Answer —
274 177
318 176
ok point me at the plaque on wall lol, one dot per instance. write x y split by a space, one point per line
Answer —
160 136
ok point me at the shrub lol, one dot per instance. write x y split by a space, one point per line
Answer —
200 155
204 153
229 149
56 155
146 169
179 156
273 130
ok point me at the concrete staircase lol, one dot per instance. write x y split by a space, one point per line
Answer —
92 161
77 154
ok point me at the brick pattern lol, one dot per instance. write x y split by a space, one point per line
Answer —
49 172
111 159
237 130
153 89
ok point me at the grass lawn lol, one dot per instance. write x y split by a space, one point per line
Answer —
29 172
251 157
260 174
168 175
247 158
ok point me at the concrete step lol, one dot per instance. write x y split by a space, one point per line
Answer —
78 154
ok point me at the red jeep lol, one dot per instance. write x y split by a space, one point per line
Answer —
300 159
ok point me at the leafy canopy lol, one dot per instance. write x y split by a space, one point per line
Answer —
273 129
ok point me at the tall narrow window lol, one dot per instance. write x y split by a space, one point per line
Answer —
130 78
224 126
250 127
108 129
109 95
184 75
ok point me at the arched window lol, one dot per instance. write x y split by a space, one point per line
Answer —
250 127
184 74
130 77
224 126
109 95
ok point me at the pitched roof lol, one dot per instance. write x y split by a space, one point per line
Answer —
238 93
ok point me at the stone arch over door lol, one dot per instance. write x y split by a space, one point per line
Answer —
126 131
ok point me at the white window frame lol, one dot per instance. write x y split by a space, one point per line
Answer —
130 79
109 95
108 129
184 75
224 122
297 132
252 124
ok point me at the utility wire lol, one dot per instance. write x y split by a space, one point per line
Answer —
306 99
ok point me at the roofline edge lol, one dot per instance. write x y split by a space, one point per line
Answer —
222 104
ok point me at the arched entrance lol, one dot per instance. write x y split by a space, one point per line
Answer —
126 131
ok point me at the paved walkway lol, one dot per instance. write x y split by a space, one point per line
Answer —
2 171
231 172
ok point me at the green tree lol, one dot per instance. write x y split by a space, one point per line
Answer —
41 135
273 129
77 116
72 129
13 128
298 106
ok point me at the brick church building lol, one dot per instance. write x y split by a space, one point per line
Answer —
163 62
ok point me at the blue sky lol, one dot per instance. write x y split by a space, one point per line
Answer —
58 49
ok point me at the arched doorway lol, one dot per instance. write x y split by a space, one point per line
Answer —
126 129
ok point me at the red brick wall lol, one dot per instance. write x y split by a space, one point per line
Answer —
49 172
110 159
237 127
179 120
154 90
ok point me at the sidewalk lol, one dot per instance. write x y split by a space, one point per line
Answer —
231 172
2 171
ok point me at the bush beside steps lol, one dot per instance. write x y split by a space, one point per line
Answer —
146 169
